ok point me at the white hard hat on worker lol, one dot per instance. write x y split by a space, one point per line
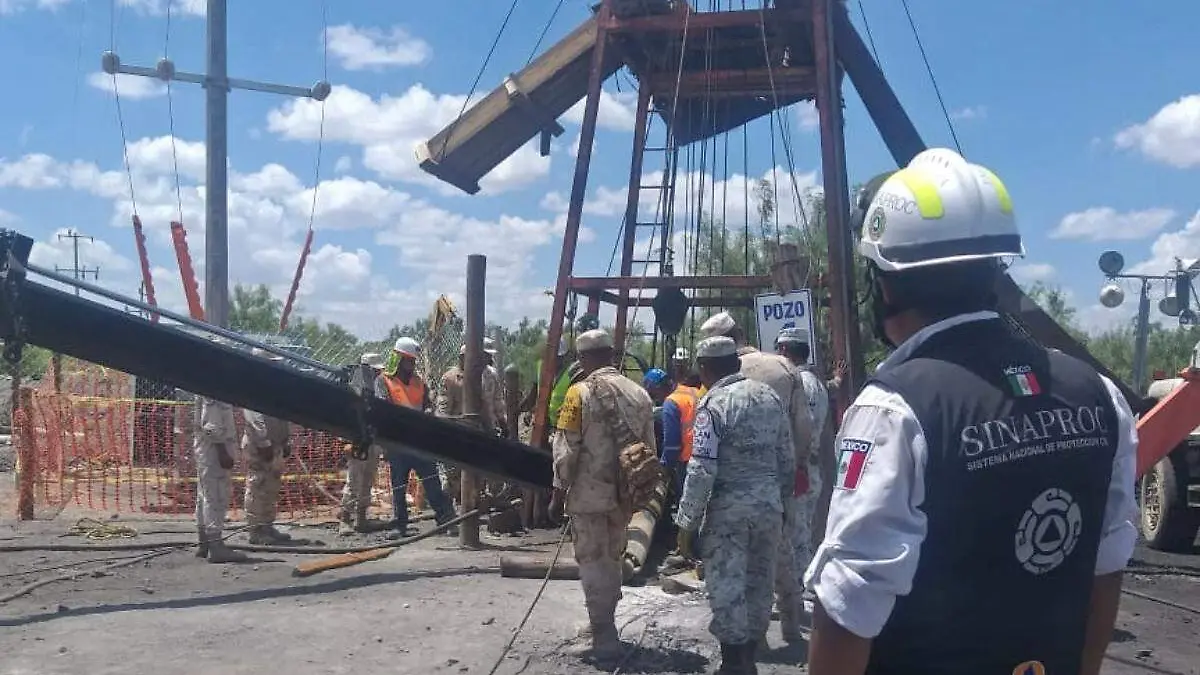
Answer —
939 209
934 234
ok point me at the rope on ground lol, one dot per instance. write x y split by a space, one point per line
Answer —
51 568
562 538
95 530
25 590
317 550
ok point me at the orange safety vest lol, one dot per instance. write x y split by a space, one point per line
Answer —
411 395
685 399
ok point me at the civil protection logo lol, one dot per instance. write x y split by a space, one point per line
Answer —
1048 531
876 223
1030 668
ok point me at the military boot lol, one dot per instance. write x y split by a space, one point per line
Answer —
731 659
749 656
202 548
218 552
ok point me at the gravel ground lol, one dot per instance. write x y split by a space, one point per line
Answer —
428 608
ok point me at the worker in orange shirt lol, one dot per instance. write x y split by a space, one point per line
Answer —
400 384
678 411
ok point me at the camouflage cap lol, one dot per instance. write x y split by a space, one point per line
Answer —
716 347
593 340
718 324
793 335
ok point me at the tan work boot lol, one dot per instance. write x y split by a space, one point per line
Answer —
266 535
219 553
602 641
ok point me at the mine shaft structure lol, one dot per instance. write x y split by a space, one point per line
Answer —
701 73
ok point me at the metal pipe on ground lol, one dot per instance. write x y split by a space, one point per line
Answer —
468 533
639 532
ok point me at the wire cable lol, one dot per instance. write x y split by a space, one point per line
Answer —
545 29
171 117
478 76
936 90
867 27
562 538
112 36
312 212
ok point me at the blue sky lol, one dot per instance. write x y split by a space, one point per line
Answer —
1090 113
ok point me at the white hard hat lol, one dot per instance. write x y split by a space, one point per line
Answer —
489 346
681 354
939 209
408 347
371 359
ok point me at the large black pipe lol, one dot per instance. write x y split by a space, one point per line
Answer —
36 314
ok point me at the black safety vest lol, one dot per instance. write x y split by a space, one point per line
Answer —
1021 444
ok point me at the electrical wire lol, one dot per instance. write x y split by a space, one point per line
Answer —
562 538
936 90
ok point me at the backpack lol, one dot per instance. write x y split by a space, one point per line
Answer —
640 473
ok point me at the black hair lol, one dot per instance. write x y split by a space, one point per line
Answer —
940 291
795 350
691 379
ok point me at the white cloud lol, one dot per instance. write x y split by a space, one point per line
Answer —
806 112
425 254
976 112
132 87
618 111
1029 273
159 7
1171 135
1107 224
1183 244
374 49
389 129
343 164
15 6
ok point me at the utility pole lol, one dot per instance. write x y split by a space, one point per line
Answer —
217 84
80 272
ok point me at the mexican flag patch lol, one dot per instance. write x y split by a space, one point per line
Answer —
852 462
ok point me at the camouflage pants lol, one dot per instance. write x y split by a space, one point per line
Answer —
213 488
360 477
739 550
796 544
264 477
599 540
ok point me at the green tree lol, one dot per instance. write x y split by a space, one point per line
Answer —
254 310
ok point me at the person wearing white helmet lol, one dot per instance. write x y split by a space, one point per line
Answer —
400 384
982 512
360 473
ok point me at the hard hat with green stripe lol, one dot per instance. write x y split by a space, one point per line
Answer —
939 209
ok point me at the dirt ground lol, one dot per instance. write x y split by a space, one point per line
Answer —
429 608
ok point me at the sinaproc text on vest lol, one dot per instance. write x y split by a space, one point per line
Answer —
1042 432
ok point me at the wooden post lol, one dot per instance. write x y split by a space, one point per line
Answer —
26 449
468 531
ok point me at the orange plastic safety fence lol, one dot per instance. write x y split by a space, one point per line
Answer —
108 442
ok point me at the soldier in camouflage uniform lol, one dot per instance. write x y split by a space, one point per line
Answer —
450 405
793 344
360 473
741 472
214 448
266 442
782 377
596 417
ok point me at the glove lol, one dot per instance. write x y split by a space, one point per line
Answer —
685 542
